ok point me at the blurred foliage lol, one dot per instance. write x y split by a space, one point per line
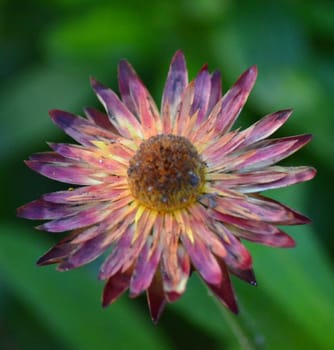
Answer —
49 49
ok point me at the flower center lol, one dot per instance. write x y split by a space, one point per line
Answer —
166 173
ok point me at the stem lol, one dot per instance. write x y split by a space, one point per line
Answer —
244 335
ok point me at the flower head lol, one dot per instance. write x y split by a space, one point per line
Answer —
169 192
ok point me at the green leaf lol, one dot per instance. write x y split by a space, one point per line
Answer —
70 302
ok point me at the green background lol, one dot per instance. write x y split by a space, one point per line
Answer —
48 49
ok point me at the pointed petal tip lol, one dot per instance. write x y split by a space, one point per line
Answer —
312 173
178 55
96 85
178 61
253 70
157 312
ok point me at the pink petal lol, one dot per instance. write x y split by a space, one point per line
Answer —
266 126
147 261
115 287
43 210
156 298
224 290
250 225
139 100
85 217
246 275
238 256
114 163
216 91
202 258
126 249
259 209
175 264
100 119
288 176
86 194
264 153
177 80
80 129
122 119
202 89
58 252
279 239
67 171
234 100
87 252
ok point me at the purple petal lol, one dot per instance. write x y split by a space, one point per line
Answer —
289 176
100 119
250 225
266 126
279 239
156 298
127 250
234 100
139 100
115 287
177 80
43 210
85 217
237 255
146 264
80 129
202 259
293 217
146 109
224 290
103 192
265 153
201 95
258 209
87 252
175 267
122 119
111 164
69 172
126 74
58 253
216 91
246 275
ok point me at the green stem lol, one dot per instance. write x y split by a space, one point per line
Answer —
244 335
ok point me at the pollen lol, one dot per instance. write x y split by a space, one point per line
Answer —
166 173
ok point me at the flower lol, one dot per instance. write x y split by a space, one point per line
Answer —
169 192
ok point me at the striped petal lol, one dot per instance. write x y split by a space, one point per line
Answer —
138 99
259 209
237 257
234 100
116 286
175 264
80 129
264 153
100 119
87 252
216 91
202 258
67 171
266 126
156 298
202 89
224 290
121 118
43 210
177 80
85 217
147 261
